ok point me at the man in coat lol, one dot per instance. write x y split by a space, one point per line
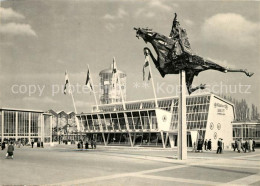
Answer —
219 149
239 146
206 144
10 151
209 144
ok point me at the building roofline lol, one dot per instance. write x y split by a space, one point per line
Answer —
17 109
152 99
119 111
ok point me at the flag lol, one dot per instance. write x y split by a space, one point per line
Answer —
66 86
114 73
88 82
146 64
114 69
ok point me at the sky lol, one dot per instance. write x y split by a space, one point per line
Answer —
40 40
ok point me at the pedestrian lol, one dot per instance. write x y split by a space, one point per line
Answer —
81 145
242 144
95 144
78 145
206 144
235 145
92 143
32 142
200 145
3 145
250 144
10 151
219 143
209 144
86 145
222 146
245 146
238 146
253 145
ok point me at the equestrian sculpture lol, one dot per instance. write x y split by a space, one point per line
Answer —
174 54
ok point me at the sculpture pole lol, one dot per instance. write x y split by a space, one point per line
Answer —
182 129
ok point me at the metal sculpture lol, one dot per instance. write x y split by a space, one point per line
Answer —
175 54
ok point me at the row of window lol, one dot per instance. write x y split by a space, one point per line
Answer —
24 120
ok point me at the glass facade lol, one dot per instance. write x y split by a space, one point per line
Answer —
129 120
24 125
246 131
197 110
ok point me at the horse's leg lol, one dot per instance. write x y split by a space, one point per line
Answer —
189 80
249 74
211 65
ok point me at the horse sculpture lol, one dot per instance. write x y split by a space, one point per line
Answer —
174 54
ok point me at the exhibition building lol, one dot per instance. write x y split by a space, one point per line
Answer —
115 121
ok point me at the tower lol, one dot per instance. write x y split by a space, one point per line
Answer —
110 81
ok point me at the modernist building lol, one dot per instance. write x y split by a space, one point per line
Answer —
141 123
21 124
64 126
246 130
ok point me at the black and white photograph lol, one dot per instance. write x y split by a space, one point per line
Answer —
129 92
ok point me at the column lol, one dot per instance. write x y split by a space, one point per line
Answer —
3 125
128 129
16 126
29 129
182 130
50 129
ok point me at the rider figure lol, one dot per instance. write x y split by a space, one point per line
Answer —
179 34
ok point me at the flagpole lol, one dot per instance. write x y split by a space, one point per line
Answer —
119 81
147 58
69 89
93 88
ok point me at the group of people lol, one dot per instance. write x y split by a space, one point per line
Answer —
199 147
248 145
93 144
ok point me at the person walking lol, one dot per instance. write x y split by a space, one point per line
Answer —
92 143
245 146
253 147
32 142
206 144
10 151
86 144
3 145
238 146
95 144
209 144
250 145
235 145
219 143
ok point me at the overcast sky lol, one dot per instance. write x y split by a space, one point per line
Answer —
40 39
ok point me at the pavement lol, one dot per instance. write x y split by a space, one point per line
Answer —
123 166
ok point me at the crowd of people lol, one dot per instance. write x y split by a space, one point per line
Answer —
92 143
245 146
199 146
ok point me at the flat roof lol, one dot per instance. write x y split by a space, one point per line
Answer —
24 110
163 98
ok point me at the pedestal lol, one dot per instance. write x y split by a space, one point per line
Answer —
182 128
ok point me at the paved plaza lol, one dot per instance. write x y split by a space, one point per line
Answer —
65 165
